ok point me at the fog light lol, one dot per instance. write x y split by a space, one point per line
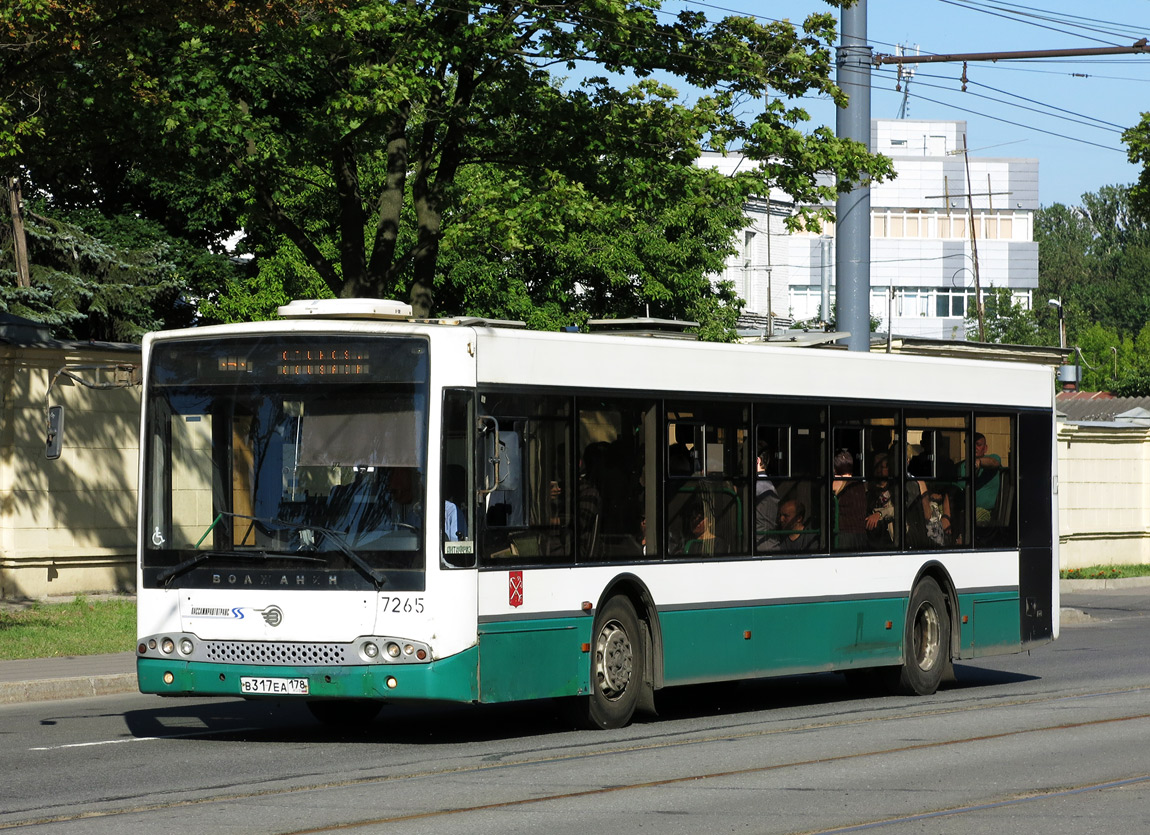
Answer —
169 678
186 646
392 683
393 650
370 650
168 646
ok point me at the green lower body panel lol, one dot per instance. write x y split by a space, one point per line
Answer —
451 679
534 659
783 639
989 624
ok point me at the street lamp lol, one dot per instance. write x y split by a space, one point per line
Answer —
1057 303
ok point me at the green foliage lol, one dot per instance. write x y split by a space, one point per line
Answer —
420 149
1096 258
1137 139
1005 320
100 278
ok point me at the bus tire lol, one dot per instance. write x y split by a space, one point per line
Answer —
926 641
344 713
617 666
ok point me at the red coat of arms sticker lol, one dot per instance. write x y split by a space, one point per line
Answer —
515 588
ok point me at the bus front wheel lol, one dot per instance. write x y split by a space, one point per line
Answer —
926 641
617 666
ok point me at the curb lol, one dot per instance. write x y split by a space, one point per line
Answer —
1069 586
76 687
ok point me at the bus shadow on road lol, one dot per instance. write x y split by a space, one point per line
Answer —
818 690
271 722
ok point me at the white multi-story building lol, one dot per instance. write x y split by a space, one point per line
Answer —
925 233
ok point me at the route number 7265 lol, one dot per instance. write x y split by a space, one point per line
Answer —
404 605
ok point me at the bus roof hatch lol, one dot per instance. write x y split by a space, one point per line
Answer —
345 309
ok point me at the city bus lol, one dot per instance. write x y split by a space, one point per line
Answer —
351 508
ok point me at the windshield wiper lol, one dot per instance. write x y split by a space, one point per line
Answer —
203 556
375 575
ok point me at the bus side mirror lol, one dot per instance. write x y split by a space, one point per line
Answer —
55 432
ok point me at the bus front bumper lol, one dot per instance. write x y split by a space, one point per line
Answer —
452 679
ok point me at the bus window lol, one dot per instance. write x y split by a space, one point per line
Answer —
992 482
864 504
456 480
937 490
617 439
705 508
790 491
528 516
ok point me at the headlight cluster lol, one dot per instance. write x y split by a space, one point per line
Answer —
165 645
393 651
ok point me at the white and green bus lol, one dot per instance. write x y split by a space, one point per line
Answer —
352 508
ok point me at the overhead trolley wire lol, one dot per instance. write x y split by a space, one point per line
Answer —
1053 17
965 4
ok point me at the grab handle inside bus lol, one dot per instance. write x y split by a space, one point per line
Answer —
491 477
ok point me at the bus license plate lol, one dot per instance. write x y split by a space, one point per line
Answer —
274 686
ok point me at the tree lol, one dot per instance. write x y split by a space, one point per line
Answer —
357 131
1006 320
1096 258
1137 139
95 278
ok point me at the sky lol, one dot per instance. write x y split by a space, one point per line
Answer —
1068 113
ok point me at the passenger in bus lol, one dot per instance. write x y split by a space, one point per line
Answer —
454 513
928 522
700 537
451 531
404 491
849 504
987 480
880 504
766 505
793 518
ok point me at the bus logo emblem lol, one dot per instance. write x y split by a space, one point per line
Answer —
273 615
515 588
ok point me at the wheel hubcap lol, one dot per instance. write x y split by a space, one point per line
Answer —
927 637
613 660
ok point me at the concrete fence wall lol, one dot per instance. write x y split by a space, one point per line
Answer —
1103 494
67 526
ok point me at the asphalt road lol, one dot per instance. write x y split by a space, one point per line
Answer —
1057 740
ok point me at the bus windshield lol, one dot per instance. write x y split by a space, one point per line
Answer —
286 460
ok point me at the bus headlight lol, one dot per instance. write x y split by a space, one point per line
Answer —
168 646
393 649
186 646
370 649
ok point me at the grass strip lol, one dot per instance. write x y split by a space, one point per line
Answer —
79 627
1106 572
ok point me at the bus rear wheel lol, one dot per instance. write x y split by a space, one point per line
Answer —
345 713
926 641
617 665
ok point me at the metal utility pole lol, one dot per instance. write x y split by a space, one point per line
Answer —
852 210
978 305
